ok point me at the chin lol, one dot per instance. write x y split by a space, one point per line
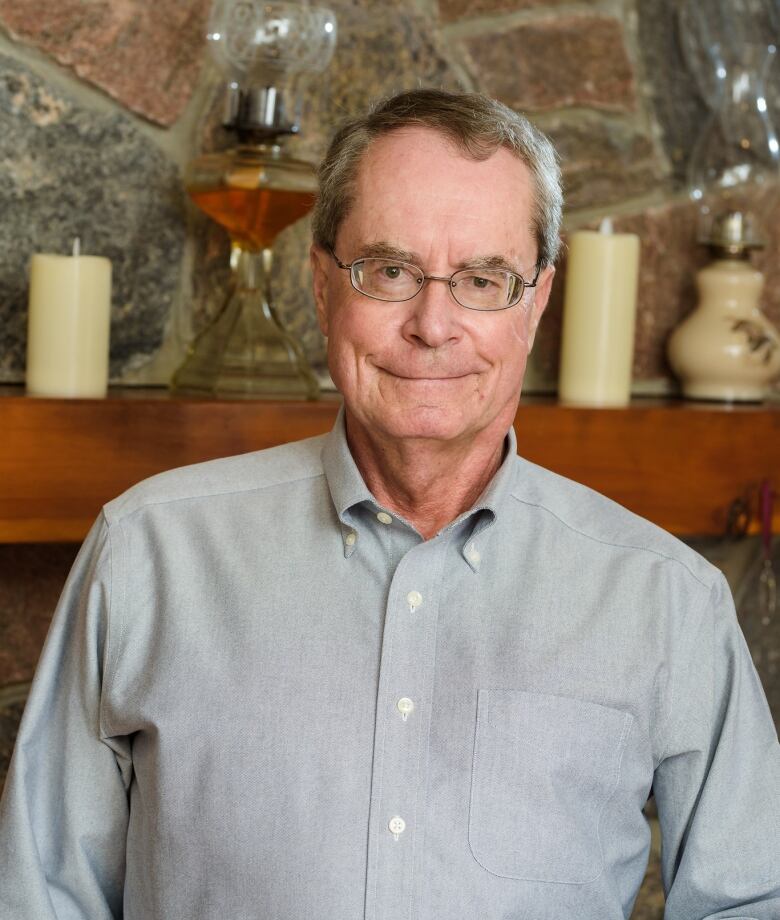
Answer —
430 422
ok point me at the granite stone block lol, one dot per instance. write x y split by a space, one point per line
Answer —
66 171
604 160
453 10
569 60
31 579
12 700
761 626
649 904
679 110
146 55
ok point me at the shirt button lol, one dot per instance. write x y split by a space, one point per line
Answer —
351 538
384 517
397 826
405 706
414 599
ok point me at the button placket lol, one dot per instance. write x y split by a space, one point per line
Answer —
404 682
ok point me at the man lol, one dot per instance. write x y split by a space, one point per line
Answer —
396 671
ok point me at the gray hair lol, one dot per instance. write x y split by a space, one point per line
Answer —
477 124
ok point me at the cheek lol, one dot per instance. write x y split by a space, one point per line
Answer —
346 335
519 341
506 347
341 349
357 328
505 342
357 338
520 327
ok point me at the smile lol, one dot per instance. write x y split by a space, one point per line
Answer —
422 379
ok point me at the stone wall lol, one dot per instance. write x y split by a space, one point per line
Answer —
102 105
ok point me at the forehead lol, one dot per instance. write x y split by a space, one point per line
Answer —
414 184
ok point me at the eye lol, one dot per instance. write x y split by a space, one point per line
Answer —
481 282
384 272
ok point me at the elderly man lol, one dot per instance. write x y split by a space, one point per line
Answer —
396 671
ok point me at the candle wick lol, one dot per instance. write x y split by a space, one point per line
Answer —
606 226
76 247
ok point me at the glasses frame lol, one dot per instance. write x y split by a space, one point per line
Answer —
349 266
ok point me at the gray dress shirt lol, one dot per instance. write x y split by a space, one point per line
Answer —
265 696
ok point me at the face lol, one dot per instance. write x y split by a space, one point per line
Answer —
428 368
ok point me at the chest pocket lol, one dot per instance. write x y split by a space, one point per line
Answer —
544 768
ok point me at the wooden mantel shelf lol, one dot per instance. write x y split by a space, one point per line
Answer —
679 464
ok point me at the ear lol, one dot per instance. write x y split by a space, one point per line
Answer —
541 296
320 266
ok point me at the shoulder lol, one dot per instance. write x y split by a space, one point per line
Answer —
262 469
594 518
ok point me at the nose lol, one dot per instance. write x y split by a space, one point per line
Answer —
434 316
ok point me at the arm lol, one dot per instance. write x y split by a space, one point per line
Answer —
717 785
63 816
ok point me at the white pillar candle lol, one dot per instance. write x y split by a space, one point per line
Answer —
68 325
597 344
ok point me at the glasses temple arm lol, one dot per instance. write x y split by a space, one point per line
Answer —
536 276
337 259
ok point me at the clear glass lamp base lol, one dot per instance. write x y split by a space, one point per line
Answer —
245 352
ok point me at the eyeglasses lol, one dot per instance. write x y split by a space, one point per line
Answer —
474 288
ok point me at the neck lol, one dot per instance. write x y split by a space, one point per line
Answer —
428 483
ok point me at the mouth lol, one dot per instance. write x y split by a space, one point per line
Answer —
426 378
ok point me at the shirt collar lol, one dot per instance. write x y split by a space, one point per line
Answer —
345 482
347 489
488 507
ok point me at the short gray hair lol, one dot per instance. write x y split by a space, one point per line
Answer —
477 124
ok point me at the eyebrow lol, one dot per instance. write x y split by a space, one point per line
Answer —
383 250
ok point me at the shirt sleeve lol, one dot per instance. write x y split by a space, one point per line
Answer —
717 786
64 812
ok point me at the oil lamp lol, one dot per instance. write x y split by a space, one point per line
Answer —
254 190
726 349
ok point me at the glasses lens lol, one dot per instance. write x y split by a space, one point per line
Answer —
487 290
385 279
